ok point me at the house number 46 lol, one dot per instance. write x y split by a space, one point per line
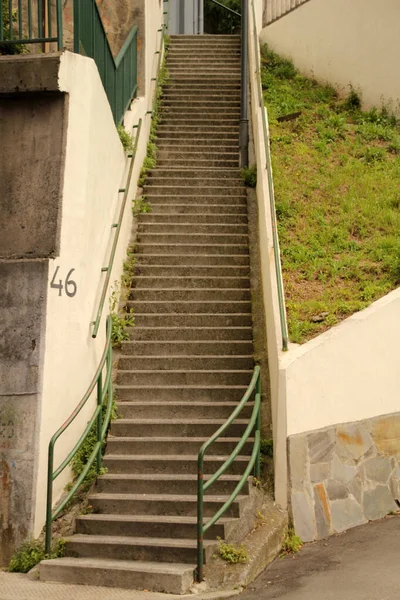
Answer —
69 285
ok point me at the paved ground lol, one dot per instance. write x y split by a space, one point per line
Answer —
14 586
362 564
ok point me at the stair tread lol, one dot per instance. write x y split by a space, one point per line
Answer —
163 477
172 457
116 564
178 421
160 497
146 518
171 439
136 541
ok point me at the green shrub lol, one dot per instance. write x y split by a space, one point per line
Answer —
31 553
10 48
249 176
126 138
292 543
231 553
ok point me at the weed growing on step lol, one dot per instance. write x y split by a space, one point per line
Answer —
31 553
127 140
336 173
291 544
151 155
232 553
249 176
140 206
267 447
119 296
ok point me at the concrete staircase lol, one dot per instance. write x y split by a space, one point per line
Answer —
190 356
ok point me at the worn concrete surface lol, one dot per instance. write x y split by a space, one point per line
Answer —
361 564
14 586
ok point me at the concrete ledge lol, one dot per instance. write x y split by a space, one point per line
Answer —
36 73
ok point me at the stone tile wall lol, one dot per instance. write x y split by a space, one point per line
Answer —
344 475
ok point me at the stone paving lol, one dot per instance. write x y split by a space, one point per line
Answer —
15 586
344 476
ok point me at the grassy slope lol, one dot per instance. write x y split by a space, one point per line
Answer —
337 185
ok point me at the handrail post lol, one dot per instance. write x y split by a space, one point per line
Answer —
50 468
244 120
257 467
60 24
200 497
99 420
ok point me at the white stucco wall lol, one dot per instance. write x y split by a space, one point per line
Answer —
267 262
95 168
344 42
348 373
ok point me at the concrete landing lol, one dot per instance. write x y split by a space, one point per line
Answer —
361 564
15 586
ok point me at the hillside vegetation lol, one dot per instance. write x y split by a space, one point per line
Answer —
337 185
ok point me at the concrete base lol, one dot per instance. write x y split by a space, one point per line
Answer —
263 544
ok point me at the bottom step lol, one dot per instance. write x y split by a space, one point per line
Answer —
172 578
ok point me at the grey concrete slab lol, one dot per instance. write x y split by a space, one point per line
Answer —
15 586
361 564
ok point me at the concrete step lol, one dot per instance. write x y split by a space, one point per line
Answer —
204 105
221 85
186 162
159 218
199 61
187 347
146 526
204 78
188 191
193 320
199 121
174 428
201 145
158 484
149 464
242 272
197 134
135 548
181 377
204 260
194 228
161 282
161 504
229 176
185 362
185 195
195 294
173 578
206 211
210 410
181 333
188 307
181 249
200 112
187 393
166 446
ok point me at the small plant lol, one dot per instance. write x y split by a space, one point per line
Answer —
257 483
231 553
87 510
267 447
291 544
126 138
31 553
353 101
120 322
249 175
140 206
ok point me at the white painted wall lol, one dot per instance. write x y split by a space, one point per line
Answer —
344 42
268 273
348 373
95 168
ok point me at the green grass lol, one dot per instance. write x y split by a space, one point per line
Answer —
337 186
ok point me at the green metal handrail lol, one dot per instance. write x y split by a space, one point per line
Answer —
117 227
277 255
119 75
22 25
104 390
254 422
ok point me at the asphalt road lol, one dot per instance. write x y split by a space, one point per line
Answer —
362 564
